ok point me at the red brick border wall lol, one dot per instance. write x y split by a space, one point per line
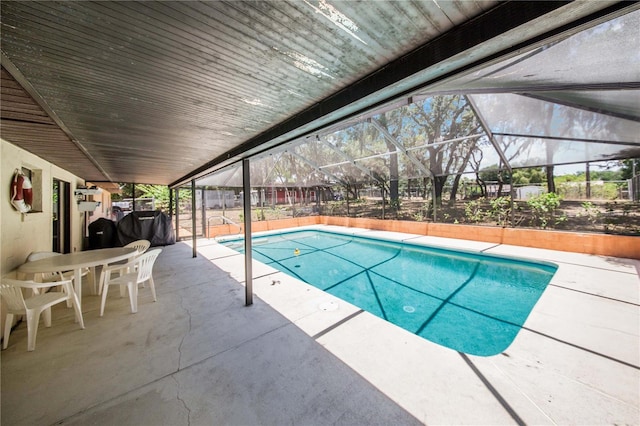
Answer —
599 244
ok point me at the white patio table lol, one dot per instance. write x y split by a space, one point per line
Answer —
77 261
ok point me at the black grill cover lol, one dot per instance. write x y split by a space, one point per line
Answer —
145 225
102 234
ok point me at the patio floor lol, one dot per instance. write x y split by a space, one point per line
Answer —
198 356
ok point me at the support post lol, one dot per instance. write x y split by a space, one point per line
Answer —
171 204
435 202
177 214
203 213
587 178
224 206
248 257
512 194
133 197
193 218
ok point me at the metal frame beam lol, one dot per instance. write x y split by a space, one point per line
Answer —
248 254
369 157
567 139
526 90
385 133
264 182
194 251
487 130
231 175
448 141
346 156
177 190
316 167
501 154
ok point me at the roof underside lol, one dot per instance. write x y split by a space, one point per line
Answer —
161 92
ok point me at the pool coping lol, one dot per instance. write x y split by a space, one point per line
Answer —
574 361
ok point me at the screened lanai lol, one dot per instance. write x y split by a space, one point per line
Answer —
571 101
576 100
152 92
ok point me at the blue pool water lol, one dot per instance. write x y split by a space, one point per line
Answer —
470 302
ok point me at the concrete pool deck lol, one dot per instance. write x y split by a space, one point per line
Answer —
301 356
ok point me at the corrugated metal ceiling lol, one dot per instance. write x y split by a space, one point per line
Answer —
27 125
152 91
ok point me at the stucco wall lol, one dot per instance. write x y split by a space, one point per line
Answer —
22 234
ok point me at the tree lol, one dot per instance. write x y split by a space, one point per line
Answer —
495 173
355 142
476 158
160 194
443 118
528 175
628 168
394 131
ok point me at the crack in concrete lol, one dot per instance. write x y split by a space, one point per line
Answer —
184 336
184 404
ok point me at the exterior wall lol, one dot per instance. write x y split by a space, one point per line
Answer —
103 210
588 243
22 234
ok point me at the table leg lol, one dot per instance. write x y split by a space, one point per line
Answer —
101 279
77 282
94 282
76 305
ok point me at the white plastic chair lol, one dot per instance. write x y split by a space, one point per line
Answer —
142 268
32 307
49 277
140 245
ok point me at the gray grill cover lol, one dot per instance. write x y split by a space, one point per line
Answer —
145 225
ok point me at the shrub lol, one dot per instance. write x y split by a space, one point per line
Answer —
474 212
500 210
544 208
591 212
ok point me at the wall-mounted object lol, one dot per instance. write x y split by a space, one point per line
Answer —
21 192
85 204
82 193
88 206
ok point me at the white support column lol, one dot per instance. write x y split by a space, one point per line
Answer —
194 252
177 190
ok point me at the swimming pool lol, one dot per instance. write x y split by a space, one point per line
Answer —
470 302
